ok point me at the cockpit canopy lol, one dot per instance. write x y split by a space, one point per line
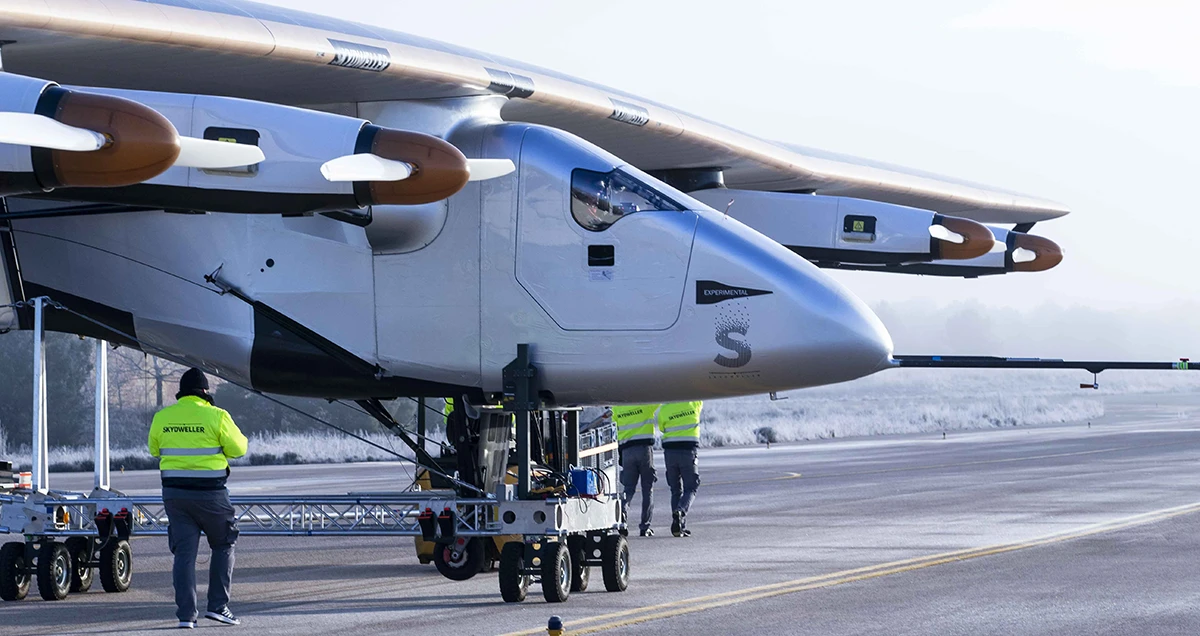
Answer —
599 199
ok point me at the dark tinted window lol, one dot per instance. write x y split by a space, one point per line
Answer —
599 199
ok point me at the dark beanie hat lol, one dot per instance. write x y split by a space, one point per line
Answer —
193 380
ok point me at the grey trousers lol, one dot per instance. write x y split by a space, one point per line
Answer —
637 464
190 512
683 476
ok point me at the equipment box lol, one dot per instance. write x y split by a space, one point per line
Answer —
598 451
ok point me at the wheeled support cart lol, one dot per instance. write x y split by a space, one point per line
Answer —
557 529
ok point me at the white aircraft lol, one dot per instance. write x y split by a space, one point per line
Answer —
316 207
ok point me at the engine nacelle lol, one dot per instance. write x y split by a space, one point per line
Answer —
139 143
296 143
1022 253
838 231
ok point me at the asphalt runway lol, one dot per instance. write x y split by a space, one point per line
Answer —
1055 530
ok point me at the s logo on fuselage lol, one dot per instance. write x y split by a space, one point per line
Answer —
733 319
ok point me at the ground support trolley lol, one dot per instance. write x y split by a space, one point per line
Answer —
70 536
565 530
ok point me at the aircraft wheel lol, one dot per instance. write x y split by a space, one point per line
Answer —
614 559
580 571
53 571
514 583
14 578
556 572
80 549
116 566
468 563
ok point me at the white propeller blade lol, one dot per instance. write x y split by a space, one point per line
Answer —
214 155
368 167
483 169
1022 255
365 167
26 129
942 233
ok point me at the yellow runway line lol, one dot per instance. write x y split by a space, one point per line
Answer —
625 618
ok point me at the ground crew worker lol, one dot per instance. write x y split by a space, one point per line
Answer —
635 439
680 425
194 440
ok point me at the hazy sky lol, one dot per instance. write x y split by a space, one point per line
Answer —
1094 104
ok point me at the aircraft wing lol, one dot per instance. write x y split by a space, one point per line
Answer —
245 49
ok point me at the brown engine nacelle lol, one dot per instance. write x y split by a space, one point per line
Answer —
440 169
296 144
976 238
138 143
1045 253
142 143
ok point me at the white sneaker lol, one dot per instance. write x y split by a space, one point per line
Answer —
223 616
186 625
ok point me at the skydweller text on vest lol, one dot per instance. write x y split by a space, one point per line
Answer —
193 441
635 424
680 424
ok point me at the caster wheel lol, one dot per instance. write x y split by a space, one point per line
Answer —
53 571
614 557
116 566
514 583
14 577
556 572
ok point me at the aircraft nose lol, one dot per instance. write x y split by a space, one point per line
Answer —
790 324
851 341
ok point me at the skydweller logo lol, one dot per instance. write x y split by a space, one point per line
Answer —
360 56
732 321
183 429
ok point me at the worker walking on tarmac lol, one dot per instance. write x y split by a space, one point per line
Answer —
194 440
635 437
680 425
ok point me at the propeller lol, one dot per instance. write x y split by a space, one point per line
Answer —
1022 255
484 169
212 154
23 129
365 167
943 233
368 167
27 129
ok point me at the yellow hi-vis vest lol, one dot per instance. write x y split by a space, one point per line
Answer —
195 439
680 421
448 408
634 422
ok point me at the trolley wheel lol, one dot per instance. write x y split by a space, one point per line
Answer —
14 577
116 566
469 561
80 549
514 582
581 572
614 560
53 571
556 572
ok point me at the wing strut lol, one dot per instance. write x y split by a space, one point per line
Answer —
375 409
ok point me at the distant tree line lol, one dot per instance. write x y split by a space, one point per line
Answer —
139 385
